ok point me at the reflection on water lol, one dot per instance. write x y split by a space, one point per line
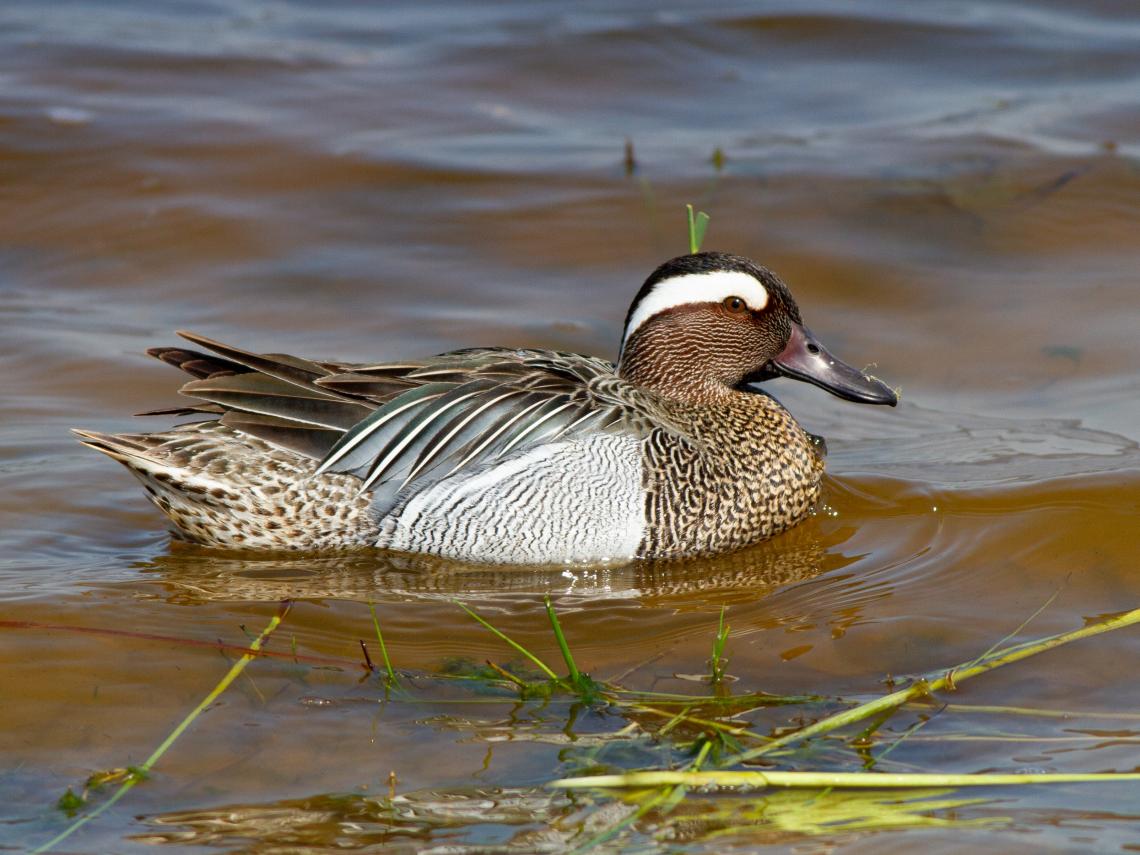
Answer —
195 574
950 190
531 820
523 818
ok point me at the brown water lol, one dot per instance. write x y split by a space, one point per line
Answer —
952 191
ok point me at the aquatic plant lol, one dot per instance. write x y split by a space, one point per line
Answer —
700 788
131 776
698 225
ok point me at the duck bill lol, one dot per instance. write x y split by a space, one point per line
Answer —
806 359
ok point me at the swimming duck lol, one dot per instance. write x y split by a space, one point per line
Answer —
510 456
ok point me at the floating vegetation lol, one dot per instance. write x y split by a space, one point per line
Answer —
739 780
640 769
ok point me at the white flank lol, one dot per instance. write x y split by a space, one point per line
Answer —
709 287
527 510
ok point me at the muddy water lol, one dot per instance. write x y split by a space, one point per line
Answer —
952 192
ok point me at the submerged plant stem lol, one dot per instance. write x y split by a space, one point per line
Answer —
718 663
667 798
683 717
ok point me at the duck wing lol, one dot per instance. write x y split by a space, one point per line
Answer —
395 424
476 407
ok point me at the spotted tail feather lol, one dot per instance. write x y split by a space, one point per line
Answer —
222 488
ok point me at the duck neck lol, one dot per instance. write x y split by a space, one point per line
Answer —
672 372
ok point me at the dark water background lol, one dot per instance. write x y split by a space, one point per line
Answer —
951 189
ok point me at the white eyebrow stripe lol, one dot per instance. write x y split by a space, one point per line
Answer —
709 287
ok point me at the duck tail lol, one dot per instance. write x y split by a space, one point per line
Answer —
181 493
122 447
220 488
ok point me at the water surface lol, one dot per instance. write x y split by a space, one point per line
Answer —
950 190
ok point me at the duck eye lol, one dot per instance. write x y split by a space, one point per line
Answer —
734 304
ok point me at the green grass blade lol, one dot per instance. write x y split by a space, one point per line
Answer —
719 664
1028 712
698 225
542 666
701 226
140 772
1017 630
575 676
383 648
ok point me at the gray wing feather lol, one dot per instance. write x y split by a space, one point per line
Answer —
270 396
309 440
291 369
475 424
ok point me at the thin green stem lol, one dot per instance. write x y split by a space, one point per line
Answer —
718 663
668 798
140 772
1018 629
683 717
542 666
383 648
698 224
907 734
575 677
1030 712
507 675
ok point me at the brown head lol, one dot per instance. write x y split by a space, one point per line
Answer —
704 325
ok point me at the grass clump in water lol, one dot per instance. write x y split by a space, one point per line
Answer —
666 765
718 663
712 752
663 790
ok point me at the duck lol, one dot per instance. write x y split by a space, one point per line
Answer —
500 455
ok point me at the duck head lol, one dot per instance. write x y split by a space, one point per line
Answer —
705 324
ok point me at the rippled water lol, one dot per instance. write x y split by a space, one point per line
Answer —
950 189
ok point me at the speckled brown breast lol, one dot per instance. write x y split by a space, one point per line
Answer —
748 472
